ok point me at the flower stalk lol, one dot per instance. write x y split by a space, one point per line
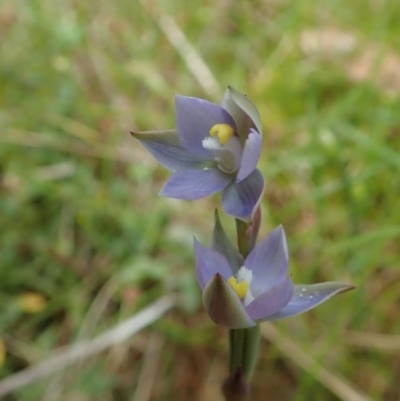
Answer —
243 244
243 348
243 343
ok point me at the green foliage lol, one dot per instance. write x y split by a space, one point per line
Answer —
80 218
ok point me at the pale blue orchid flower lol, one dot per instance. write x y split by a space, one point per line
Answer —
240 293
214 148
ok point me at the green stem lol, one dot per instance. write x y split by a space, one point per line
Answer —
243 343
243 349
236 341
250 350
241 228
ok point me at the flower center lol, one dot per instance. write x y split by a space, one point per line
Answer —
239 287
223 132
241 284
225 146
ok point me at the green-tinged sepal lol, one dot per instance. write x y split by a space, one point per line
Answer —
222 244
243 111
224 306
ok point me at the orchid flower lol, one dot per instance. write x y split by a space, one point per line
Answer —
239 294
214 148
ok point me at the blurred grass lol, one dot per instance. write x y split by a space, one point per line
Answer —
78 197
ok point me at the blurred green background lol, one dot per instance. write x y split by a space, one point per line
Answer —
86 242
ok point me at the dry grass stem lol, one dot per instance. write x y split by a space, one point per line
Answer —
338 385
147 374
384 342
192 58
84 349
195 63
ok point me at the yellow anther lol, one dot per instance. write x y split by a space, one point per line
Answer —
224 132
214 130
240 288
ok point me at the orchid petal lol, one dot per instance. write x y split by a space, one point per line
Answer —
224 306
250 156
167 149
194 184
240 199
194 119
243 112
209 263
308 296
221 243
271 301
268 261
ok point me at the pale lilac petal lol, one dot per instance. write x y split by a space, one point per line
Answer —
268 261
194 184
224 306
194 119
243 112
222 244
167 149
308 296
209 263
240 199
271 301
250 156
